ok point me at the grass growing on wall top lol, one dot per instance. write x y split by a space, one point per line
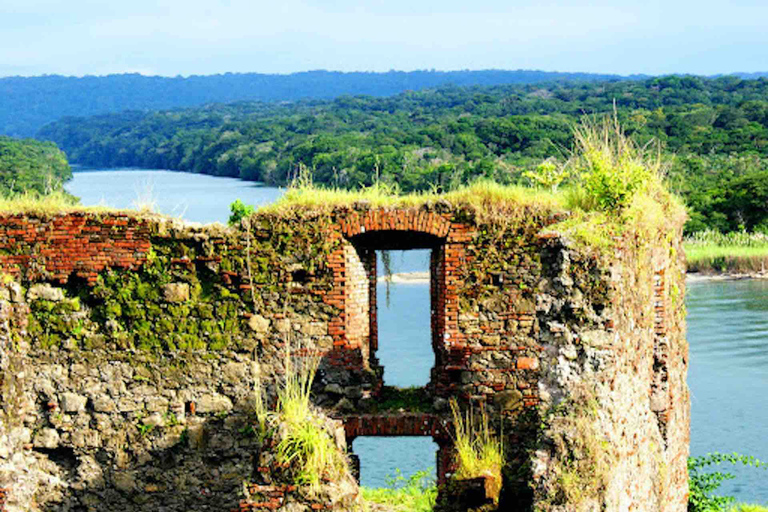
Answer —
480 194
32 202
617 186
613 186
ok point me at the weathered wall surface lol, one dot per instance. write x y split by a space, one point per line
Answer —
615 401
132 347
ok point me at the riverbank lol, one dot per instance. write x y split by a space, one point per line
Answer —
691 277
698 277
406 278
738 254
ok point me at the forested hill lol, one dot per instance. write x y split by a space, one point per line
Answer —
31 166
26 104
717 128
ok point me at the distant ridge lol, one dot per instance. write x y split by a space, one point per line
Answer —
749 76
28 103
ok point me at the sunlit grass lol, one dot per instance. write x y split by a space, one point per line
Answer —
32 202
306 446
743 507
614 187
479 450
482 194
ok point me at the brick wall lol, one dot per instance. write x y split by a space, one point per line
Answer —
510 308
77 244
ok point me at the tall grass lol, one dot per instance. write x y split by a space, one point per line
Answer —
482 194
737 252
479 451
306 446
609 167
32 202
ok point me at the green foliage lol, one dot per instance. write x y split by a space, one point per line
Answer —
479 450
724 192
548 174
714 134
239 211
30 166
610 166
412 399
417 493
31 102
306 446
145 429
704 483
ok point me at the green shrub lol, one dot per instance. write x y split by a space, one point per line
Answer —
610 168
704 483
239 211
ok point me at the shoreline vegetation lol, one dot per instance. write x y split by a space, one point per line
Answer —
614 186
736 255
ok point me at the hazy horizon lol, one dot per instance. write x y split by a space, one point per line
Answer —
432 70
196 37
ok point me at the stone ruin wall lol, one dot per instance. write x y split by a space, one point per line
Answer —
111 401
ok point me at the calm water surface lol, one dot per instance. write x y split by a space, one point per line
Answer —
727 331
194 197
728 376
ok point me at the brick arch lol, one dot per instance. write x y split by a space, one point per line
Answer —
354 330
396 220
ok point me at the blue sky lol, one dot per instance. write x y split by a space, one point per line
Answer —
171 37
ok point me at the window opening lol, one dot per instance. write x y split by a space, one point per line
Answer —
381 457
404 320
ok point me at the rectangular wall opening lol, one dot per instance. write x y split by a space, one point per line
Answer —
381 457
403 318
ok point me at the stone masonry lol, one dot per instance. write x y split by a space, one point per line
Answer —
132 346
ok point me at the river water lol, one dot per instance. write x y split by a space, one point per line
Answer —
727 331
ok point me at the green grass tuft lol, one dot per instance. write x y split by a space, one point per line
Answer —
306 445
479 451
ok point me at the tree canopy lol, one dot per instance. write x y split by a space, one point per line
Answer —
713 131
31 166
